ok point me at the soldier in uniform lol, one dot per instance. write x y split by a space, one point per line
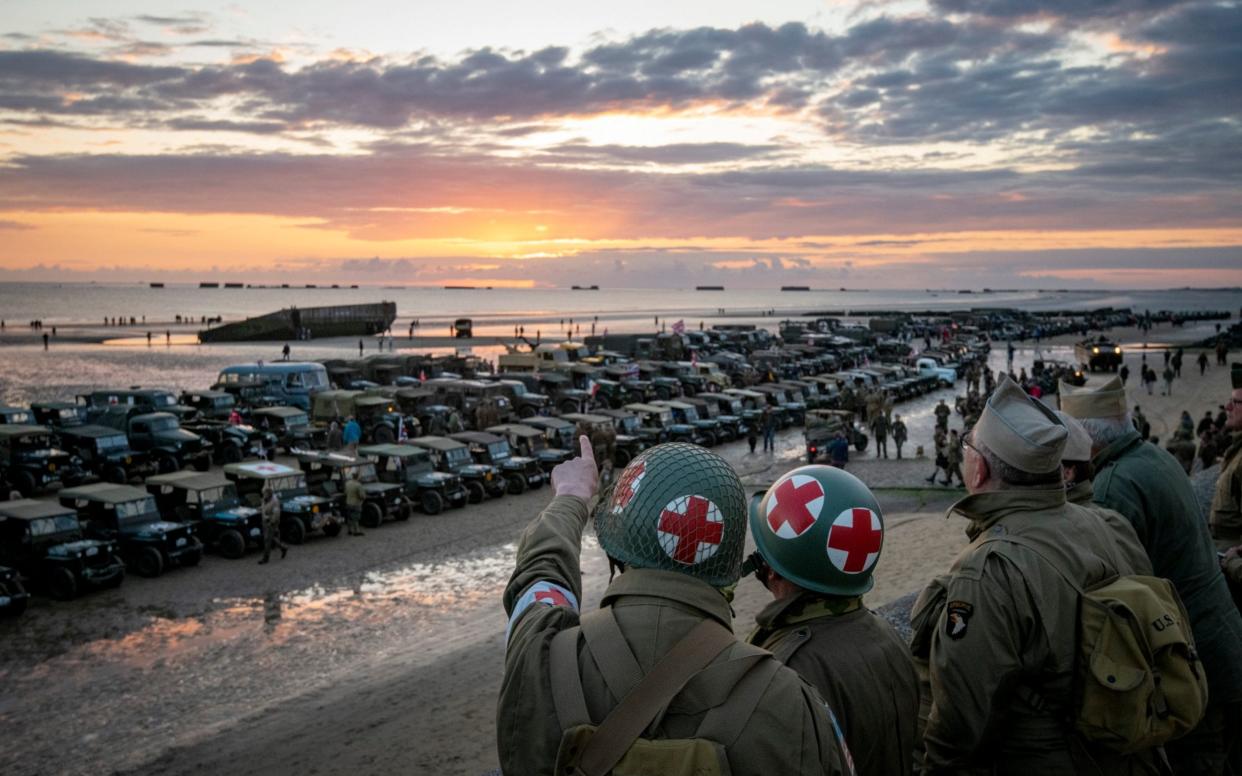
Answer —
953 457
271 524
674 525
940 458
1149 488
879 429
899 434
942 412
818 624
355 497
1003 651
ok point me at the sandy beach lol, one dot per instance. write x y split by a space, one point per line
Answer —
384 653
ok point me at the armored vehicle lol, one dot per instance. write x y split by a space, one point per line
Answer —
211 504
209 405
142 399
531 442
59 414
1099 354
44 542
660 418
13 595
730 427
291 427
327 473
159 434
15 416
411 468
454 457
632 438
129 516
105 453
29 462
300 512
706 431
823 425
558 431
519 471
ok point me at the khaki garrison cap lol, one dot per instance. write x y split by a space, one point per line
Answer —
1235 374
1107 401
1078 442
1020 431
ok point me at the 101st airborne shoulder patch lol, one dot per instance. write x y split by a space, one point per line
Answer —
957 618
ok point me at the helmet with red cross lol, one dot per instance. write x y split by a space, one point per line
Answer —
820 528
676 507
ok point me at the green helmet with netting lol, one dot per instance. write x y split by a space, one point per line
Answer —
676 507
820 528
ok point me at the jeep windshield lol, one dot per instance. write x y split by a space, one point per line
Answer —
137 512
458 456
735 407
691 414
218 499
296 421
289 485
498 450
518 389
630 424
20 418
33 443
365 472
536 443
163 400
47 526
163 424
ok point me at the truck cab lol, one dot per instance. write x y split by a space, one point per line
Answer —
160 435
660 419
531 443
947 375
706 430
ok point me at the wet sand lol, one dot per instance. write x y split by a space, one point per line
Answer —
382 653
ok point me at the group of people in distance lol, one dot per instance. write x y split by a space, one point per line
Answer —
1087 628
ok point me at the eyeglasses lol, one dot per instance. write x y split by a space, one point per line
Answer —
967 445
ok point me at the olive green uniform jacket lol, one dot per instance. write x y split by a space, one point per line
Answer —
1148 486
1128 544
790 731
859 665
1004 647
1226 515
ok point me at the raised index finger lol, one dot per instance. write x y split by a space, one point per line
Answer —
588 452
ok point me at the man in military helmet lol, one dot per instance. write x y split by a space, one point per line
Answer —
674 524
942 413
1150 489
818 533
1003 651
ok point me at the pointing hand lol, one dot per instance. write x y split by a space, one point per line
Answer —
578 476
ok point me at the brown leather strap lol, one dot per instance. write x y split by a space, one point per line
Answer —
567 695
625 723
617 664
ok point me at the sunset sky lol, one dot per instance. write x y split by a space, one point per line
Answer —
907 144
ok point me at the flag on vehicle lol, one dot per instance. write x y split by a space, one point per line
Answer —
401 437
592 388
679 327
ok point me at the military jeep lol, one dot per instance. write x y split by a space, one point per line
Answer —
30 463
558 431
129 516
823 425
15 416
630 439
13 595
105 453
44 542
211 504
300 512
706 430
531 442
520 472
411 467
660 419
59 414
725 410
291 427
159 435
210 405
327 473
454 457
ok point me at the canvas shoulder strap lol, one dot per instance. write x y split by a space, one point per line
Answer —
625 723
725 722
567 695
616 661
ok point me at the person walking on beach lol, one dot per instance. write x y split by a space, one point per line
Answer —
360 348
768 419
45 340
879 428
899 434
1149 379
271 525
953 455
1124 373
1203 362
752 436
1168 381
355 496
284 352
1177 362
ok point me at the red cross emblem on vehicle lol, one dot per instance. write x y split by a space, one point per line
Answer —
855 539
627 486
794 505
690 529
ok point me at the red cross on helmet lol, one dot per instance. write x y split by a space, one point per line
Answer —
820 528
677 507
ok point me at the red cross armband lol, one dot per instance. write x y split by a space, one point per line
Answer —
545 593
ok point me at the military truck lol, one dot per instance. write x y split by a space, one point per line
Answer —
15 416
376 414
520 472
210 504
1099 354
146 400
660 418
44 541
823 425
291 427
632 438
59 414
662 385
454 457
327 473
128 516
159 434
706 430
411 468
530 442
301 513
105 453
467 395
13 595
30 463
558 431
557 386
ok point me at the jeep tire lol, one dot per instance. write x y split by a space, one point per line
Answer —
292 531
517 484
166 463
475 492
25 483
231 544
116 475
62 584
149 563
372 515
432 502
230 454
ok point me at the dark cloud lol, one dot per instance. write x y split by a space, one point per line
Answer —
220 125
1073 9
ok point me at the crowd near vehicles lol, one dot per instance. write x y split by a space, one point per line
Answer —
125 475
